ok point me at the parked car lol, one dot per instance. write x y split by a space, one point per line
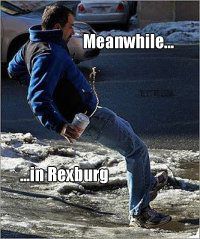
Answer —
15 23
104 11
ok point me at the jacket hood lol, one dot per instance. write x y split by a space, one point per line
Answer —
37 34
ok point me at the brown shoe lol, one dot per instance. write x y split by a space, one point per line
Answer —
161 181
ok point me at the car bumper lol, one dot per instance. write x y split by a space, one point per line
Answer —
102 18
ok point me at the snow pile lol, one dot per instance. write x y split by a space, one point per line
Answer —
173 32
171 159
21 151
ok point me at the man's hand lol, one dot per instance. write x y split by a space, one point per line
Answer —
71 132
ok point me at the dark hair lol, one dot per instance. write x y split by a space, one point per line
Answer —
55 14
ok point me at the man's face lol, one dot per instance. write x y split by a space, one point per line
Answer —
68 30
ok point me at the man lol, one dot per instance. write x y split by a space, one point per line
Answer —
58 90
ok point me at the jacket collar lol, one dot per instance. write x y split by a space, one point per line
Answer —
37 34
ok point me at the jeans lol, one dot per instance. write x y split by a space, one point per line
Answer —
114 132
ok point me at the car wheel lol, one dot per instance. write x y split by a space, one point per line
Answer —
125 26
15 45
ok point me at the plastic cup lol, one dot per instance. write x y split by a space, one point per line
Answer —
81 121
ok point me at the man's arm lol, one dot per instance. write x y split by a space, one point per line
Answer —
17 68
44 77
46 71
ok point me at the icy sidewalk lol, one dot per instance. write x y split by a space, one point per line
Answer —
183 32
91 209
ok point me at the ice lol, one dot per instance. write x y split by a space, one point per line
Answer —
8 151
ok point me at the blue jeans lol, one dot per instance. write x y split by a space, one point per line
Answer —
116 133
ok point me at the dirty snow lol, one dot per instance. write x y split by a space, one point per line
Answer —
20 151
173 32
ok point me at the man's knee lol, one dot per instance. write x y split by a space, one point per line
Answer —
142 146
106 114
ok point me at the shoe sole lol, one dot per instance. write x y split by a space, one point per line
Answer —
150 225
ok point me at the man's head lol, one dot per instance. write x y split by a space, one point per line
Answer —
58 17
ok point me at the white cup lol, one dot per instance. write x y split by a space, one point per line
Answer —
81 121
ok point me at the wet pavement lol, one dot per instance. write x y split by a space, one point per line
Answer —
48 217
156 91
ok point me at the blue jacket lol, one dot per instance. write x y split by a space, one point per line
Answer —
57 89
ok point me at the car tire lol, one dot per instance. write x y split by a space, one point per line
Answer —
15 45
125 26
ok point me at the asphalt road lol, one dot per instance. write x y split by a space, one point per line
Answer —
156 90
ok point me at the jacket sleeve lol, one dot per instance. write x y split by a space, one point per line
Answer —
46 71
17 68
